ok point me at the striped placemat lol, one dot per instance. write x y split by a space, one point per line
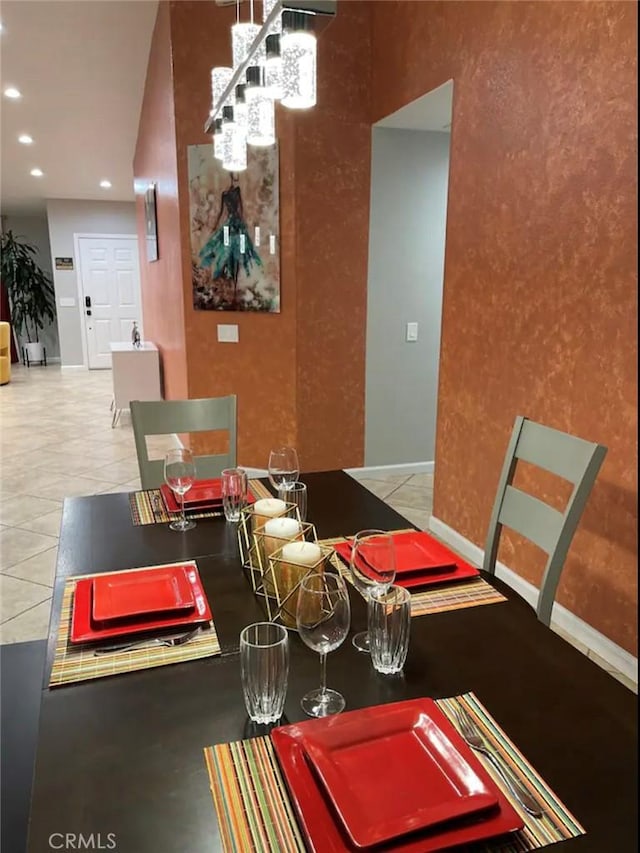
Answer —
72 663
251 800
436 599
255 812
147 506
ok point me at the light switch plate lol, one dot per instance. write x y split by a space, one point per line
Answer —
412 332
227 334
67 302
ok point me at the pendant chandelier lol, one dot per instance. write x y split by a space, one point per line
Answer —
275 62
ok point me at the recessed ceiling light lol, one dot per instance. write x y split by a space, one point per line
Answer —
25 139
12 92
37 173
105 185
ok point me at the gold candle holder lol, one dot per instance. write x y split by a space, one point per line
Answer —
251 552
286 575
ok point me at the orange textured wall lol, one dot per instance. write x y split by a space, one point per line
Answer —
540 295
261 368
155 160
332 167
284 368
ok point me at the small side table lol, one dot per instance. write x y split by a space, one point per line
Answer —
136 375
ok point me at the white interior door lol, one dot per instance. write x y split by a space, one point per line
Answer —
110 279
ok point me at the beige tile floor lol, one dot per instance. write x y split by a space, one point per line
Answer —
56 441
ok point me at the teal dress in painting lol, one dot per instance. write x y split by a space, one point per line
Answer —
226 261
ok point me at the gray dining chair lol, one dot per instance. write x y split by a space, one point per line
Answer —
571 458
166 417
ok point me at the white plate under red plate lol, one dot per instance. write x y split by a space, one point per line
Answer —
84 629
126 594
317 808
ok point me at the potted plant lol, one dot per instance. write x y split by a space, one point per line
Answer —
31 294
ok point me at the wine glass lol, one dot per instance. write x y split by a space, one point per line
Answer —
373 568
179 475
284 468
323 618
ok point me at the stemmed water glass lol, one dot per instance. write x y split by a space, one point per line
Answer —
179 475
284 468
323 619
373 568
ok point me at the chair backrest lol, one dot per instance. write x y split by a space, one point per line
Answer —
164 417
571 458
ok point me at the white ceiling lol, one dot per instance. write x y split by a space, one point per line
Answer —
80 66
430 112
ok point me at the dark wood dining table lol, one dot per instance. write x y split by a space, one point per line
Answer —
122 757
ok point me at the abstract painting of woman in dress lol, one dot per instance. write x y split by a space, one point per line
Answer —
234 227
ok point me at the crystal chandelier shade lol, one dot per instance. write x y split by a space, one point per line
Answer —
267 6
242 37
262 124
218 140
298 50
274 63
234 157
273 67
220 79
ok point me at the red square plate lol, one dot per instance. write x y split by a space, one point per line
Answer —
444 565
323 829
84 629
416 551
395 743
203 495
125 594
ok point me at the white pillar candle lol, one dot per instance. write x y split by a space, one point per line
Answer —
296 560
301 553
282 528
267 508
276 530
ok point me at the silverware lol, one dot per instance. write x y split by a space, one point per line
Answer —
475 739
177 640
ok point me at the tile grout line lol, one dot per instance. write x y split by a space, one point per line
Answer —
22 612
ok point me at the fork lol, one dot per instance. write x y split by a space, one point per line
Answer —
180 640
476 741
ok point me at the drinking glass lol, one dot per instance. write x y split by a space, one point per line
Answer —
264 664
284 468
295 494
389 613
323 618
234 492
373 567
179 475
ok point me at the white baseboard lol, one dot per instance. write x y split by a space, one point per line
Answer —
619 658
407 468
73 367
